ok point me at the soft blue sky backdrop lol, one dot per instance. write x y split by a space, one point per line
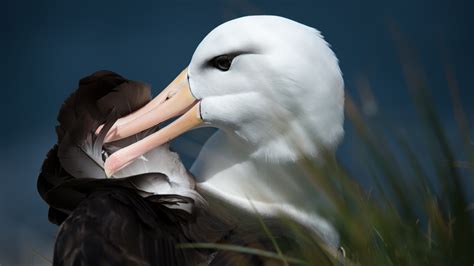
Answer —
48 45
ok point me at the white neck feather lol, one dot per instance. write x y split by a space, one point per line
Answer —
225 171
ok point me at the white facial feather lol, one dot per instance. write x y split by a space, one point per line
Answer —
284 92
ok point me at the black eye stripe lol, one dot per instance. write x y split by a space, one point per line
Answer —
222 62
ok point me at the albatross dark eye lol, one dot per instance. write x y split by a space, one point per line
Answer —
222 62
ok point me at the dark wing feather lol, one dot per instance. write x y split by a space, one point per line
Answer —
69 194
118 227
52 175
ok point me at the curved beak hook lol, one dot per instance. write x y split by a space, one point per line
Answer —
176 99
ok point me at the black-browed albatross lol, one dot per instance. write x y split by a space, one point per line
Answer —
274 90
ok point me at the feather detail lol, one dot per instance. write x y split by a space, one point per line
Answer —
83 157
96 95
125 98
73 169
158 160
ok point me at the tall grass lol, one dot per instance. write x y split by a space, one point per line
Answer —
420 214
416 218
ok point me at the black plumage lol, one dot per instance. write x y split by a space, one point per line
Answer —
115 226
139 216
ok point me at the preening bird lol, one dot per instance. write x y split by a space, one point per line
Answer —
273 89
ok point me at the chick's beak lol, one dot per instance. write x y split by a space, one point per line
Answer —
173 101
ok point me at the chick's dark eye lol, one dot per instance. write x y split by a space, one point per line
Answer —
222 62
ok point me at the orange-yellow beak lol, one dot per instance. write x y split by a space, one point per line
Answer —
173 101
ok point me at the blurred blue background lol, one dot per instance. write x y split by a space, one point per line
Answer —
48 45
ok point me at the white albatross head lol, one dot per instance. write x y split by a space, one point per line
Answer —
271 82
